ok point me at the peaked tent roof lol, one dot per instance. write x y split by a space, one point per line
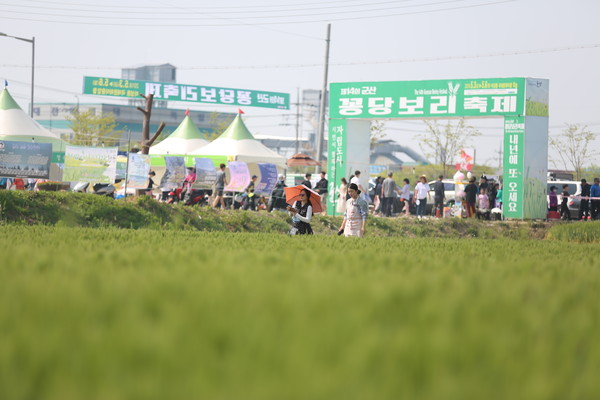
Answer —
301 160
237 130
7 102
16 125
237 143
185 139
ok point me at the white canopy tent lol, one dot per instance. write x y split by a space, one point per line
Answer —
238 144
184 140
16 125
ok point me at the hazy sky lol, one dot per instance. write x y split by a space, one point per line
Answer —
278 45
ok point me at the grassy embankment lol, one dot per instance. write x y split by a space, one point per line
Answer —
84 210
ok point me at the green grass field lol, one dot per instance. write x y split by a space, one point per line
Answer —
140 314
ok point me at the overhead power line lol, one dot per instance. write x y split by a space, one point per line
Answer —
253 6
169 10
339 63
280 22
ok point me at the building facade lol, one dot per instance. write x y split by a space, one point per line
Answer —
52 116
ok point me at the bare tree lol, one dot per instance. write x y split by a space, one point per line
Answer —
574 147
147 141
443 141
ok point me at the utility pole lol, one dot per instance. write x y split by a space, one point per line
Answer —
323 101
32 41
297 120
298 116
128 155
499 153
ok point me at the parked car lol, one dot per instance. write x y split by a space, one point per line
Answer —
449 193
397 206
574 190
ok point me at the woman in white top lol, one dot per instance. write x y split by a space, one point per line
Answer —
355 217
341 201
421 194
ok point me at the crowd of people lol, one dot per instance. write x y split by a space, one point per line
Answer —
20 183
481 200
589 206
471 199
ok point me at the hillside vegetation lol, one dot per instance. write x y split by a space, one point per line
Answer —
86 210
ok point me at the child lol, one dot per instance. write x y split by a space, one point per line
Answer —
484 204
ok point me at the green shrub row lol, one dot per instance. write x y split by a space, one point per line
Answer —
87 210
582 232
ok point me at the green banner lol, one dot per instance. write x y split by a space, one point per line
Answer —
58 157
190 161
336 161
190 93
428 99
514 153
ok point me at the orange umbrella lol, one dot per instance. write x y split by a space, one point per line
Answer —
292 195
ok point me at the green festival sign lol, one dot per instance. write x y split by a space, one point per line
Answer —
514 131
190 93
522 102
429 99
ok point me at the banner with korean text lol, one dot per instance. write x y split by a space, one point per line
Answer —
121 165
239 176
336 161
206 174
512 192
174 172
180 92
428 99
139 167
268 178
90 164
25 159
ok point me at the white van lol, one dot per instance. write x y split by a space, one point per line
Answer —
574 190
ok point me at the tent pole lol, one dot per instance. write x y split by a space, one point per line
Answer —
127 168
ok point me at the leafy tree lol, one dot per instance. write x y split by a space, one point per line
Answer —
377 132
93 130
218 125
443 141
591 172
574 147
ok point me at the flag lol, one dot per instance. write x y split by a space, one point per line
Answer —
5 83
187 112
240 111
